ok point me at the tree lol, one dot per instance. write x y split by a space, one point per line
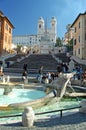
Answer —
68 27
58 42
70 41
70 45
19 48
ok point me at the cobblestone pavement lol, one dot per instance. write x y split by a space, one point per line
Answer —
76 121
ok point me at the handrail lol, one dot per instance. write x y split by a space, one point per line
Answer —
15 115
58 111
61 110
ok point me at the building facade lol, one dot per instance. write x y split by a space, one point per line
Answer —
68 36
79 46
45 39
5 34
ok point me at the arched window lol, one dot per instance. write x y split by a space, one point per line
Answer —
39 25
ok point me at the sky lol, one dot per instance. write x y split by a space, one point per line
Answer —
24 14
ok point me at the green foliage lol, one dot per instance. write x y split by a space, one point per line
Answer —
58 42
19 48
70 45
68 27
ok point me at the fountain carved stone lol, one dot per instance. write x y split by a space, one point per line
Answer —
7 90
28 117
61 83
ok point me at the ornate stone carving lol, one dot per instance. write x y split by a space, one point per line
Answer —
28 117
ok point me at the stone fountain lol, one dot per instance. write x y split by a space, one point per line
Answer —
7 90
7 86
60 84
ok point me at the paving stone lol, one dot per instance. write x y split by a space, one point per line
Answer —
76 121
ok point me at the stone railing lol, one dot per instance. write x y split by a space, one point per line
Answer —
78 60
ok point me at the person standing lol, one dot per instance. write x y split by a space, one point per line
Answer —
40 74
49 77
25 66
24 76
41 70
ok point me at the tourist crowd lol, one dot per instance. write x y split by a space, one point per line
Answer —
48 77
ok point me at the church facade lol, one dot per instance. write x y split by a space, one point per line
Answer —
45 39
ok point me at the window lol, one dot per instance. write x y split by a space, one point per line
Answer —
75 42
9 30
85 36
79 51
75 29
39 25
6 26
79 24
52 24
79 39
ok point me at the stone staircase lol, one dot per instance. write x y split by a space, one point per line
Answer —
63 57
34 61
15 58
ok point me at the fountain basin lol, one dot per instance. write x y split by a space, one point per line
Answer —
20 98
35 103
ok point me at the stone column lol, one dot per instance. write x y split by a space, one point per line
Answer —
28 117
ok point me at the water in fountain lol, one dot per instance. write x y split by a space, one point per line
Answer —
19 95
